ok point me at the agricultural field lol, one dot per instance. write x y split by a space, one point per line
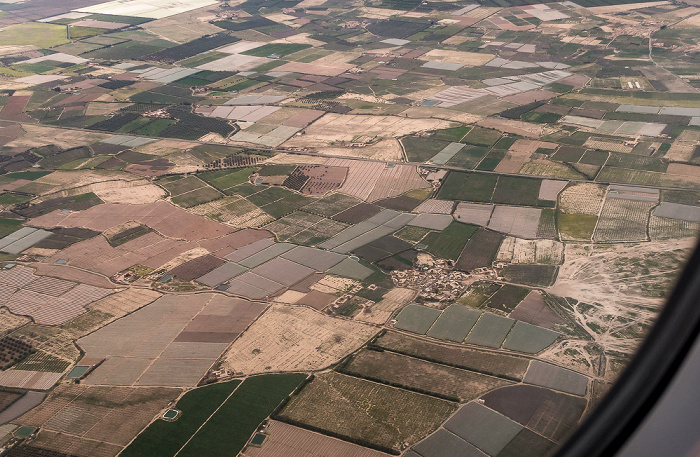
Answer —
309 341
308 221
418 375
364 411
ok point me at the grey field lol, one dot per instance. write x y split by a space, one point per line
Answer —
554 377
454 323
446 444
490 330
417 318
483 427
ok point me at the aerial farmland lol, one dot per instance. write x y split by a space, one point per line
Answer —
273 228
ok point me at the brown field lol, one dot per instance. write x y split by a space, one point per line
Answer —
551 414
111 416
38 135
534 310
420 375
287 338
505 366
165 218
368 411
480 250
286 440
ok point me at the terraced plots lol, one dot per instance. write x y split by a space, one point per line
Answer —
382 224
264 268
365 412
172 342
461 324
48 300
372 181
112 416
189 191
304 228
163 217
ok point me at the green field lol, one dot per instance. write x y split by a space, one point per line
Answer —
475 187
278 49
576 226
228 431
482 137
8 226
164 439
449 243
422 149
226 179
514 190
38 34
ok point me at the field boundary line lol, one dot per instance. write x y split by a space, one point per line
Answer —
210 416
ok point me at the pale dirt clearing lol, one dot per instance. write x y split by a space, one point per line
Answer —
517 250
294 159
381 311
433 112
136 195
579 355
458 57
38 135
619 288
512 126
103 109
330 284
76 182
134 192
388 150
583 198
622 8
165 147
181 28
9 321
347 128
294 339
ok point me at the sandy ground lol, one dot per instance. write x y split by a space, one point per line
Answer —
389 150
134 192
38 135
9 321
627 7
619 287
333 128
511 126
181 28
381 311
516 250
289 338
458 57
